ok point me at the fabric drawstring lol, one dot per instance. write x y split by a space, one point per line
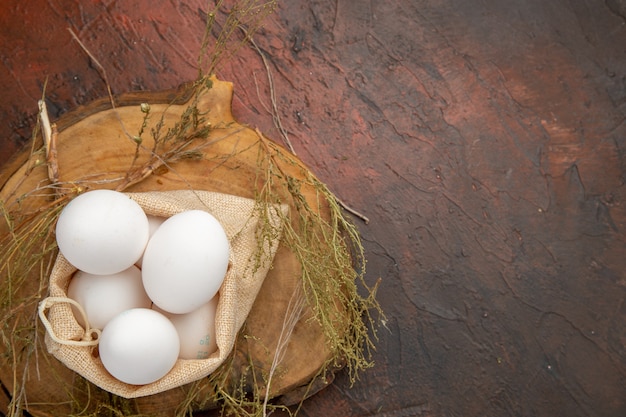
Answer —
87 339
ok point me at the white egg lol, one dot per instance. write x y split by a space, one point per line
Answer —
185 261
102 232
196 330
153 224
139 346
105 296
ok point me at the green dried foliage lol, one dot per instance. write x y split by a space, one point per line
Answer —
331 254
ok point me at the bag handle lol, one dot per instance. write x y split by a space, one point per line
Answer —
88 338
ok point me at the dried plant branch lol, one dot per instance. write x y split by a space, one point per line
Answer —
296 305
103 73
352 211
244 13
278 123
50 134
274 112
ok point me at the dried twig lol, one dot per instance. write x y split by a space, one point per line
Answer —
95 61
270 80
352 211
50 134
292 316
103 73
279 125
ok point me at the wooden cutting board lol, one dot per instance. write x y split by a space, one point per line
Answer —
94 151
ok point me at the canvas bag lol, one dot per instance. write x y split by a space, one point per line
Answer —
69 342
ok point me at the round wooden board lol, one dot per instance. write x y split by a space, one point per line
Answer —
94 151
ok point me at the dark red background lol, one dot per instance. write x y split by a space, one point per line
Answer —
484 140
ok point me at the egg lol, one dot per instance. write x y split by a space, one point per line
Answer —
102 232
185 261
153 224
104 296
139 346
196 330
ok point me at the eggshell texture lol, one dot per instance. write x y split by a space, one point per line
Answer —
139 346
196 330
102 232
105 296
185 261
154 222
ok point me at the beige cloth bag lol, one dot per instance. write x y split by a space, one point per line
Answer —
70 343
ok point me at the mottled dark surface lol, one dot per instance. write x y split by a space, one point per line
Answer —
484 140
